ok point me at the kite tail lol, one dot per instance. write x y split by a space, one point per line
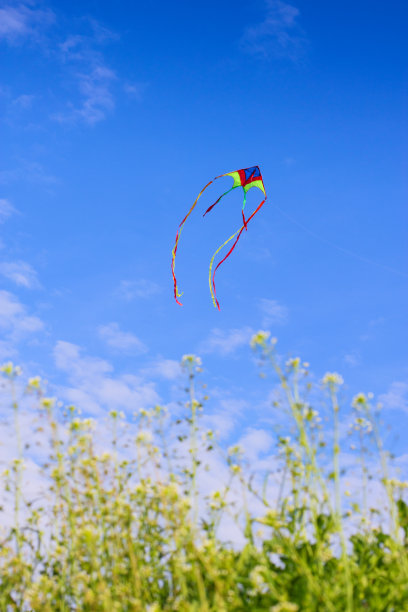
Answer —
243 214
238 235
210 279
216 202
177 294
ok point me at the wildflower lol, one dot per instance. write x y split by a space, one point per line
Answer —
258 581
359 401
158 409
234 450
10 370
144 436
285 606
362 423
293 364
172 490
259 339
47 402
34 383
88 423
332 379
190 360
395 483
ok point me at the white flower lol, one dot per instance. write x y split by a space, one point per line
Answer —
144 436
260 338
359 401
332 379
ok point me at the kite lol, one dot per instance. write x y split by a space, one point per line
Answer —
246 178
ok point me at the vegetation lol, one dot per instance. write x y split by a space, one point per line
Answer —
130 528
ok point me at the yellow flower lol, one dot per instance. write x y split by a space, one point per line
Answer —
359 401
260 338
34 383
332 379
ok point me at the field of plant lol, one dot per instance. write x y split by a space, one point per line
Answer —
123 523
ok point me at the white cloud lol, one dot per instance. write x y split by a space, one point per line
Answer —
97 97
121 340
31 171
94 79
135 90
21 273
278 34
255 442
222 424
273 312
169 369
15 324
94 387
6 209
68 358
142 288
226 342
352 359
24 101
13 316
396 397
22 21
82 63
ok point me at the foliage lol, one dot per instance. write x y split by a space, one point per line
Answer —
129 529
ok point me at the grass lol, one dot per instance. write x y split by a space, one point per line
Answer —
129 528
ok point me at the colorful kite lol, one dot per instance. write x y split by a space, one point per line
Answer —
247 178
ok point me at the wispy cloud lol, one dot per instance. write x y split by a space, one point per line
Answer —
20 273
352 359
396 397
278 35
168 369
255 442
97 99
226 342
87 67
21 21
135 90
14 317
27 170
16 324
94 387
6 209
133 289
273 313
87 78
24 101
120 340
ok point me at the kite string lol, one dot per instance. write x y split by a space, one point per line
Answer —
177 294
338 247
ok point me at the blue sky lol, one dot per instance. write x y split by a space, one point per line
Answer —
115 115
